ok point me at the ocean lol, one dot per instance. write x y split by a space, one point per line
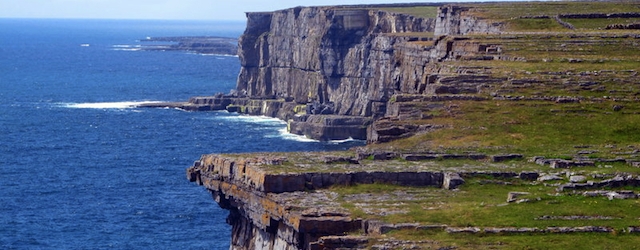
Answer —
81 169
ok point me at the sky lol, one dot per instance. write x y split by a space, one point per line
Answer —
160 9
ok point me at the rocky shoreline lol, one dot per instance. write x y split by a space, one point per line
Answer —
274 208
197 44
391 74
300 120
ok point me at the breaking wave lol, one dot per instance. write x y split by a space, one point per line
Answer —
105 105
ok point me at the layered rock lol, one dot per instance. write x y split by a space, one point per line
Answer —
339 72
356 60
270 210
276 202
325 54
347 58
353 59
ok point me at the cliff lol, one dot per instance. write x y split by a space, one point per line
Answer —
297 200
331 71
452 100
326 55
271 206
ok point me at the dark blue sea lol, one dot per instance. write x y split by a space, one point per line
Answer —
81 169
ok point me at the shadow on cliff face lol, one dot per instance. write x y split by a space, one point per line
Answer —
347 30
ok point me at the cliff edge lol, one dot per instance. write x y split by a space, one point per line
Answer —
489 125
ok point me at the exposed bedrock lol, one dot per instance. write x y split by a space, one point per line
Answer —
355 60
345 71
270 208
327 55
275 210
345 58
346 64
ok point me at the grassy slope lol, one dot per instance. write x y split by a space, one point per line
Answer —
532 128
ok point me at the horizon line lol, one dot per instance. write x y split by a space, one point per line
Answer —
123 19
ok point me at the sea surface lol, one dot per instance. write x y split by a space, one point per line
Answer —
81 169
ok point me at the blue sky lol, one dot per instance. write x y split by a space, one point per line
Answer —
159 9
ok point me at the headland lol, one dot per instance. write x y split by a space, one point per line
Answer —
210 45
489 125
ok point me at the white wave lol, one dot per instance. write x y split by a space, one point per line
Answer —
284 134
269 121
85 45
252 119
344 141
105 105
127 49
219 56
125 46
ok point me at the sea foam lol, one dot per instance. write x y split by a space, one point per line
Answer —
126 47
105 105
284 134
253 119
345 141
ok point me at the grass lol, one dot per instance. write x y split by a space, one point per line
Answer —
559 60
482 205
598 23
424 11
596 52
503 11
512 13
545 24
439 239
532 127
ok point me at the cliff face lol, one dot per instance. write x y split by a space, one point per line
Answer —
347 57
456 20
331 72
273 210
343 62
338 72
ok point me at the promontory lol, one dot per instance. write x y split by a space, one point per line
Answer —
500 125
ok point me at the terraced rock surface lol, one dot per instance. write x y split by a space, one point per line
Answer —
489 126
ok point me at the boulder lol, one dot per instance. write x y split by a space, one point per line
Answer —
578 178
452 180
513 196
507 157
529 176
621 194
570 164
455 230
331 127
549 177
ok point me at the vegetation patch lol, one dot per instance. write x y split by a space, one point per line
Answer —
542 24
529 127
421 11
598 23
483 203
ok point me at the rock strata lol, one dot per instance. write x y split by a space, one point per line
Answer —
255 199
361 72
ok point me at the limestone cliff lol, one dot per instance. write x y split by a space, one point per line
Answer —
332 71
272 209
369 73
345 56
